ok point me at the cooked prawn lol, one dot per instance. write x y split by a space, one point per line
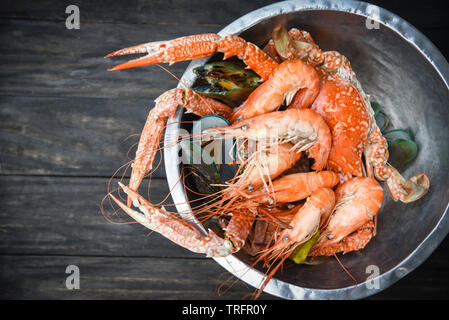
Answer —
295 187
264 166
304 224
353 242
358 201
306 129
281 86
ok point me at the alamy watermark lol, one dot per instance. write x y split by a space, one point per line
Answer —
72 282
373 281
73 20
371 23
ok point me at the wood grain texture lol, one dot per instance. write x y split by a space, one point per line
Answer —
44 277
62 216
161 12
62 112
78 136
428 16
70 63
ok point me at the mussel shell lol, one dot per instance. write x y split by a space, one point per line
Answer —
233 98
376 107
230 70
227 152
204 171
395 134
402 153
381 120
202 180
227 81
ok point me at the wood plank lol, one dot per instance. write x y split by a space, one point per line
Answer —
44 277
426 16
76 136
61 216
43 58
174 12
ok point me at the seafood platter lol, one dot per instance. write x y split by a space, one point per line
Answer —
305 147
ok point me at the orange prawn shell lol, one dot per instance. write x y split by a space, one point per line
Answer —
290 76
358 202
297 186
343 109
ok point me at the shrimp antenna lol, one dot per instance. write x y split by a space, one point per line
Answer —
346 270
169 72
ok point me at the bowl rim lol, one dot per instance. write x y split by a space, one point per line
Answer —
233 264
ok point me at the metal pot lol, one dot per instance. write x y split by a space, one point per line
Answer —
404 71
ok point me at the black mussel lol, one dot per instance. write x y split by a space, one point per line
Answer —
381 120
203 170
402 153
395 134
227 81
222 151
380 117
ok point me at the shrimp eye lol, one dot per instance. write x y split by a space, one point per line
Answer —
244 127
250 188
285 239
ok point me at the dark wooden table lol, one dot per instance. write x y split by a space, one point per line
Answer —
64 121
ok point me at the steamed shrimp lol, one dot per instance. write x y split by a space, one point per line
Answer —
306 129
282 84
358 201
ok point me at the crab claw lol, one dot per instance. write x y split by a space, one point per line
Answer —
180 49
173 228
154 55
195 47
407 190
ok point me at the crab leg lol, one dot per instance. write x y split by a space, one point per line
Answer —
376 155
198 46
175 229
296 44
166 106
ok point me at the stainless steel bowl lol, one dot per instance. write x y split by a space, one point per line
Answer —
407 74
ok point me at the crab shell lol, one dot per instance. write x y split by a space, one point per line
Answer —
341 105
